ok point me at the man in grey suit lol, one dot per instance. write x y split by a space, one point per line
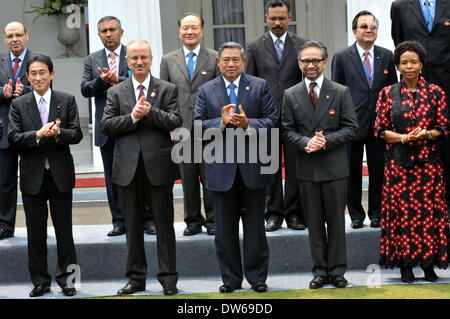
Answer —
102 70
273 57
188 68
318 117
140 113
13 83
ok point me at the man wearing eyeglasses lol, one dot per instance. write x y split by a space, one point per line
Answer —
318 117
366 69
273 57
13 83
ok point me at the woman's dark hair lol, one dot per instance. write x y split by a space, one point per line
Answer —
412 46
40 58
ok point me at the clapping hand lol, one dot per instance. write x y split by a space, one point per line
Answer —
141 109
316 143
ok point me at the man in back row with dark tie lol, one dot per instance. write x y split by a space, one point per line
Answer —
13 83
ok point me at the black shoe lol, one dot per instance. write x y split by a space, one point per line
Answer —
150 230
5 233
318 282
69 292
117 231
192 229
273 224
259 287
407 275
130 288
430 275
339 281
39 290
357 224
210 229
229 288
294 223
170 291
375 223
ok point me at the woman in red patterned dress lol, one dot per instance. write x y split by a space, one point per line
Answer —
412 118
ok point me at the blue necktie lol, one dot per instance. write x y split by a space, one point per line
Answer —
232 96
191 64
427 15
278 49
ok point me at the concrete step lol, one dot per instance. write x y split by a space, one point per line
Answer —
103 258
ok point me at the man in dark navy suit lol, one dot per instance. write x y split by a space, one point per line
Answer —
366 69
231 104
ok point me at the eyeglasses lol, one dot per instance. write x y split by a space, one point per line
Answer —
370 26
12 36
314 62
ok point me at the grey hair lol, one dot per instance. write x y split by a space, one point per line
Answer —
231 45
314 44
108 18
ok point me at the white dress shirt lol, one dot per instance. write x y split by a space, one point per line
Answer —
136 84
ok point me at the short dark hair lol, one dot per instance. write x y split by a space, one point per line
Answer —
278 3
314 44
109 18
412 46
37 57
362 13
231 45
191 14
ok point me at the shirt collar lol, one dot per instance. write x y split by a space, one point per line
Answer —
47 95
361 50
282 38
146 82
21 56
196 50
116 51
319 82
236 82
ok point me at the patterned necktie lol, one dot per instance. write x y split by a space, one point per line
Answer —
368 66
43 111
427 14
232 96
278 49
112 62
15 67
141 91
191 64
312 94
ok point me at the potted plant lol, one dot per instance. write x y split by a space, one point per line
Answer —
62 10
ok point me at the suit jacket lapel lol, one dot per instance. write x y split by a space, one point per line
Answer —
54 108
23 68
33 111
377 67
180 60
304 103
326 95
7 64
102 60
129 92
439 12
243 91
288 44
268 43
220 91
123 67
416 8
356 60
152 91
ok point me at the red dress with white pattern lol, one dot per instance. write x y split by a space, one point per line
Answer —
414 216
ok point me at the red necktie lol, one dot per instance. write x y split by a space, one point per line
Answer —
141 91
312 94
112 62
368 66
16 66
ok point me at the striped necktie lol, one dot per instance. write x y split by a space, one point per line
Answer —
112 62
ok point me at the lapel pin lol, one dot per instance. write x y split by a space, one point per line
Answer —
204 73
332 112
247 88
447 23
385 71
153 94
328 96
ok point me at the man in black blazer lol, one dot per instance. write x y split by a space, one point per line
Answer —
318 117
175 69
140 113
42 126
13 83
365 77
281 71
409 23
236 103
102 70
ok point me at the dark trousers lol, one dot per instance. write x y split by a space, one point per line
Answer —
276 205
8 188
132 199
227 208
325 204
36 213
190 173
375 163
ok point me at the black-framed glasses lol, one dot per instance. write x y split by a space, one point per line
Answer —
12 36
314 62
371 26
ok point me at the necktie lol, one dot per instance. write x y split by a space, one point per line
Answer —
43 111
312 94
15 67
278 49
141 91
232 96
112 62
368 67
191 64
427 14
